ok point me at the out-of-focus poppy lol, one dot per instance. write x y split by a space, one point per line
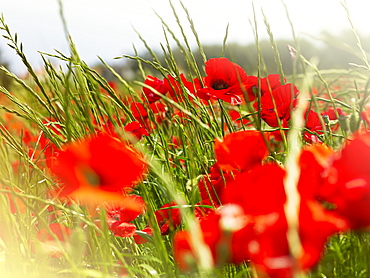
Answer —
240 150
249 188
212 184
218 232
49 237
347 181
365 115
97 169
313 161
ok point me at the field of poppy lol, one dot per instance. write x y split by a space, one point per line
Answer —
204 171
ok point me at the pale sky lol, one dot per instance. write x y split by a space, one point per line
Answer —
106 28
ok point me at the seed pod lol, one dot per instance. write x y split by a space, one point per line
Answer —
353 122
343 123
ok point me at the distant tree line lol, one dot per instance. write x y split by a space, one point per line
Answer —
332 52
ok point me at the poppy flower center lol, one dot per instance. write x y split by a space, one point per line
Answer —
220 84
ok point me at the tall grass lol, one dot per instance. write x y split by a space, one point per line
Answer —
69 102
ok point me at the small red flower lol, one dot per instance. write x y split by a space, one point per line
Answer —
331 113
177 88
266 84
121 228
136 129
278 103
139 238
125 212
313 124
156 84
365 115
139 111
168 218
211 185
237 118
316 226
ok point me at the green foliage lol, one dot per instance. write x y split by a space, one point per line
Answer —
80 101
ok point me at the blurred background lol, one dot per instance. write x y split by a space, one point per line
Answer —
110 28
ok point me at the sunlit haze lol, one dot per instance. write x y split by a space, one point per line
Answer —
107 28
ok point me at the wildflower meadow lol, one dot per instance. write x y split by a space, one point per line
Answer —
199 170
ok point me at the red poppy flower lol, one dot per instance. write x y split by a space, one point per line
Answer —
204 208
168 218
365 115
177 87
278 103
330 113
183 253
156 84
98 168
141 236
249 190
313 124
240 150
125 212
270 83
139 111
58 230
136 129
225 80
314 160
47 239
211 185
269 249
119 214
121 228
267 245
222 232
267 84
258 232
237 118
15 204
347 182
316 226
